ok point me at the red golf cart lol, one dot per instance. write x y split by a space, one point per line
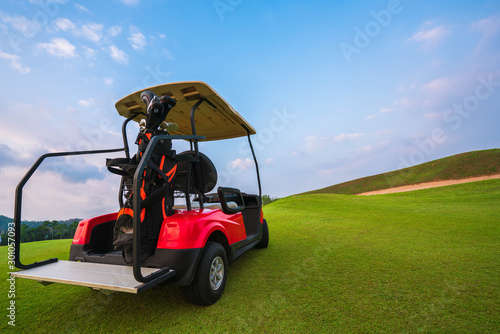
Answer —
153 238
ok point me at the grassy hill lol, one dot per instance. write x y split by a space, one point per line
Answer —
460 166
422 261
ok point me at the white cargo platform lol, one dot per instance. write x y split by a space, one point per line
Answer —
93 275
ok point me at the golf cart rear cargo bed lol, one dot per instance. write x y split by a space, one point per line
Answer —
93 275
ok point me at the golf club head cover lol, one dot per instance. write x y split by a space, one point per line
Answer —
168 103
154 110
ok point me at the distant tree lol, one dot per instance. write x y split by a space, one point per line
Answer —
72 228
53 228
48 230
266 199
24 232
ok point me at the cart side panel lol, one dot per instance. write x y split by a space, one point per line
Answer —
191 229
84 229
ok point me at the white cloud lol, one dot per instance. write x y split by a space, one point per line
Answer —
445 91
489 26
59 47
118 55
431 97
381 111
64 24
55 196
432 115
373 148
130 2
405 101
242 164
92 31
15 62
15 113
100 186
114 31
108 81
89 53
167 54
329 172
440 86
38 2
346 136
429 37
3 30
137 40
314 143
383 132
23 25
81 8
269 160
87 103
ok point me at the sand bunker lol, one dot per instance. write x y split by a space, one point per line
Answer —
429 185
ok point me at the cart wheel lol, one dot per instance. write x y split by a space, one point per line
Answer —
265 236
210 278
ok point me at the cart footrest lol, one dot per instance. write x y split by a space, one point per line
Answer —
93 275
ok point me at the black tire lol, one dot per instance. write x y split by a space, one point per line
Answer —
210 277
265 236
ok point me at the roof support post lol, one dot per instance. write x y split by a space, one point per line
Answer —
254 159
197 154
124 133
193 125
127 154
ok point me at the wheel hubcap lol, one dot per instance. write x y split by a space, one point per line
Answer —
216 273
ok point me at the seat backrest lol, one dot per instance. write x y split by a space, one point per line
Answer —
203 173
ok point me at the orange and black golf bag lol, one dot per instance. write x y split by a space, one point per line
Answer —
157 184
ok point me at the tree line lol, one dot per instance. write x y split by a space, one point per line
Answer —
48 230
266 199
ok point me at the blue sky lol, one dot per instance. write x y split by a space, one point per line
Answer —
336 90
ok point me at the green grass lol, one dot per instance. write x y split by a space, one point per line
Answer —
460 166
423 261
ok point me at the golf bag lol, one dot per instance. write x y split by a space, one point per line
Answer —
156 183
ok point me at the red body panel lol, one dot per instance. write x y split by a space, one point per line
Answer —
82 234
183 230
191 229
